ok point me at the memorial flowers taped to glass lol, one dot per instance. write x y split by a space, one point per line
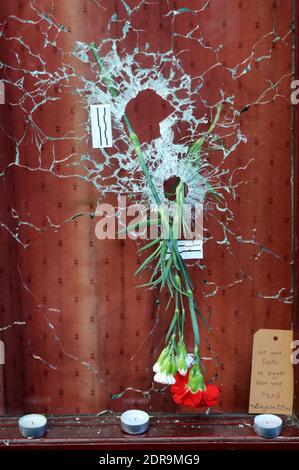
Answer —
175 366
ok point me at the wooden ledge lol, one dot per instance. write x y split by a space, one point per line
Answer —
167 432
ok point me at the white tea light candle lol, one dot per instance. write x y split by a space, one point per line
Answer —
33 426
134 421
268 426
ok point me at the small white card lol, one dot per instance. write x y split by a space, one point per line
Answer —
101 129
190 249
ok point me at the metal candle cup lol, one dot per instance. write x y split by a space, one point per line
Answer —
33 426
268 426
134 421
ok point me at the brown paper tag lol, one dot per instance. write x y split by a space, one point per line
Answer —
272 388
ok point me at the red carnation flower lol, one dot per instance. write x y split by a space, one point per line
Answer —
210 395
182 395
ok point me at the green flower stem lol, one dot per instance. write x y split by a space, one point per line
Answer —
196 146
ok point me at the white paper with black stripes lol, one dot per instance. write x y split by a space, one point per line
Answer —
190 249
101 130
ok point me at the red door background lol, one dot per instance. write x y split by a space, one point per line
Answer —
79 337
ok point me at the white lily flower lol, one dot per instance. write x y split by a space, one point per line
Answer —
163 378
156 367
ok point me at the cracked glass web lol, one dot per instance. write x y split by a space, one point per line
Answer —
35 82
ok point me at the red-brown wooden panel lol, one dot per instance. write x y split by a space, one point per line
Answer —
78 331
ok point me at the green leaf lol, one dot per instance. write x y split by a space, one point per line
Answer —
152 256
182 267
151 284
165 273
171 328
169 285
194 322
143 223
195 148
116 395
174 283
201 316
149 245
156 268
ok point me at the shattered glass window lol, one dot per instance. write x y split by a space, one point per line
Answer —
79 335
